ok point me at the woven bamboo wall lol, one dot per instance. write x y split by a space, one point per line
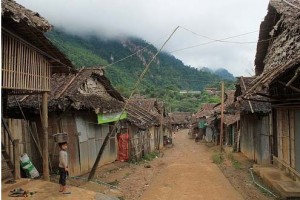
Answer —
23 67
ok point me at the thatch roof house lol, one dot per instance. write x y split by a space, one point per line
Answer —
28 60
180 118
152 105
278 49
142 130
254 122
29 27
277 68
77 102
157 109
140 117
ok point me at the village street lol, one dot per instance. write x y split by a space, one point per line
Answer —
189 174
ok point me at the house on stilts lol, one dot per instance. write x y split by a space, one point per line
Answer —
28 61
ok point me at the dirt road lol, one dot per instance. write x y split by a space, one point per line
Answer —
189 174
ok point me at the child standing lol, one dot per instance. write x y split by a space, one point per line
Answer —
63 167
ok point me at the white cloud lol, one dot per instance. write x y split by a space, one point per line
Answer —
152 20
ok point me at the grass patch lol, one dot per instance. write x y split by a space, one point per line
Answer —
218 158
236 164
147 157
150 156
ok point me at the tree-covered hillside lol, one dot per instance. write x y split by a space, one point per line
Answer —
165 78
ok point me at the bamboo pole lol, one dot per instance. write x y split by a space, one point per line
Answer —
222 116
45 130
9 63
160 128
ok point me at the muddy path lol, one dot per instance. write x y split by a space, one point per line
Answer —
189 174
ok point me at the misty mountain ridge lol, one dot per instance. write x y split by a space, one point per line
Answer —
221 72
166 76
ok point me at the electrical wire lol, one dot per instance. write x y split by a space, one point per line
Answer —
213 41
220 40
223 40
125 106
140 50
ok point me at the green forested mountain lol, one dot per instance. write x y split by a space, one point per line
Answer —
165 78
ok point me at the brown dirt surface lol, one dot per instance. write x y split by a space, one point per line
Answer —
236 167
183 171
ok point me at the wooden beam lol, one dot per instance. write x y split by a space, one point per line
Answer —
246 90
71 81
222 116
289 86
16 154
45 131
294 77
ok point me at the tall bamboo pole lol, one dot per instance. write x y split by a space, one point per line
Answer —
161 127
45 131
222 116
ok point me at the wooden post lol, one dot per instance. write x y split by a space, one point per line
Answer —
222 116
16 154
45 131
160 128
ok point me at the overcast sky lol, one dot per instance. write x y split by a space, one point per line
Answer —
154 20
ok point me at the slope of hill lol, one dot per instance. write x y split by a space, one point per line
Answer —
224 74
164 79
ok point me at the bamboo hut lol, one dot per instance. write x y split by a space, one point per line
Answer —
139 123
156 108
255 124
28 60
80 104
277 69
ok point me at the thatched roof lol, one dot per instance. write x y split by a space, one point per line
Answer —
212 112
230 118
206 109
152 105
30 26
228 101
19 13
88 89
140 117
180 117
279 50
258 103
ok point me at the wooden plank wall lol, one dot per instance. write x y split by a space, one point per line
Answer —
23 68
285 123
255 137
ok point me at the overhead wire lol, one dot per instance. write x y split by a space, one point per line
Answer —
136 52
212 41
126 104
223 40
219 40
